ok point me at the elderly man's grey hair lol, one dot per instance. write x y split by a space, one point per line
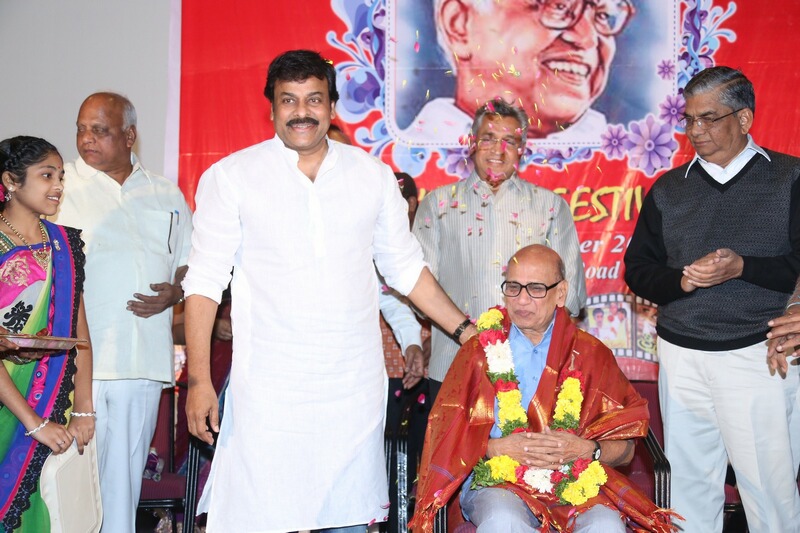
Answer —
500 107
736 91
128 113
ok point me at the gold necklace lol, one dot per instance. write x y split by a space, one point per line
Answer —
41 256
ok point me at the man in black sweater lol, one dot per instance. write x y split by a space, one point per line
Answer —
717 246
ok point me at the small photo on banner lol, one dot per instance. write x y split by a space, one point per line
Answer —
646 335
626 324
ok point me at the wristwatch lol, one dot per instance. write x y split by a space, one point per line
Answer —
597 451
460 329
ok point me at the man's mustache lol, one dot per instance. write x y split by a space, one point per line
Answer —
304 120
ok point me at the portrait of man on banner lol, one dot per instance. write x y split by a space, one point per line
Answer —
561 60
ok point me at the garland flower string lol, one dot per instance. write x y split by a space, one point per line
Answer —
575 482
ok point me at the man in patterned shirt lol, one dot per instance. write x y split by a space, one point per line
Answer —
469 230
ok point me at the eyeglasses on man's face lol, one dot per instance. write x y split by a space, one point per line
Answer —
512 289
488 143
610 16
703 123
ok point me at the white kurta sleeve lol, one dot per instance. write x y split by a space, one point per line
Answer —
216 236
397 252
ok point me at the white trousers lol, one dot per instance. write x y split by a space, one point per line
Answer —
725 406
127 410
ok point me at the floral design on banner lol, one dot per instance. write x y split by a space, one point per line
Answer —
613 141
701 37
671 109
666 69
648 143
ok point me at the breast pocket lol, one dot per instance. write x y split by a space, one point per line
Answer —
159 231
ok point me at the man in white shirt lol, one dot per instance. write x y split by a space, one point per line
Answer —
303 222
551 56
137 228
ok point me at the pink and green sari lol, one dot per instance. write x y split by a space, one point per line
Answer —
36 300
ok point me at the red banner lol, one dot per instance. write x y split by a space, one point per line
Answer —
410 74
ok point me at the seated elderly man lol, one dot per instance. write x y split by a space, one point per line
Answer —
531 419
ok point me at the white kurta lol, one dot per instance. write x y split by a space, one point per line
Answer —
301 443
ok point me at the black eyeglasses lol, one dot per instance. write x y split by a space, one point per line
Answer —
512 289
610 16
489 142
704 123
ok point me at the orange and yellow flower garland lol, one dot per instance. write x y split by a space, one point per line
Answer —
575 482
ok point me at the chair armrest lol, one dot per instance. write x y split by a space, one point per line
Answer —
440 521
192 474
400 479
661 470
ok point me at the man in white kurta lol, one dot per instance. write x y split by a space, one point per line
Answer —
301 441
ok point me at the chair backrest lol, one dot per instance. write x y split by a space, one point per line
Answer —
644 469
649 391
164 436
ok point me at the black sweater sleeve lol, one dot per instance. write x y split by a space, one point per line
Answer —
779 273
646 270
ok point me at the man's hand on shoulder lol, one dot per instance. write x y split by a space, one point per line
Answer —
714 268
166 296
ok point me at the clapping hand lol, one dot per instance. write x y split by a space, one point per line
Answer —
712 269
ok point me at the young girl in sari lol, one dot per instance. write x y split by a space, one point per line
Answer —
45 397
